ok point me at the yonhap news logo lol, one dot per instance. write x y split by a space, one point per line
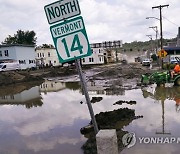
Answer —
130 139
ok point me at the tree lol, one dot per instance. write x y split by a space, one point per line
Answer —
21 37
49 46
154 57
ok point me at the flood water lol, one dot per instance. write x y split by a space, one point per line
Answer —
46 119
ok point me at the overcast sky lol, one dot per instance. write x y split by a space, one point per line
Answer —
105 20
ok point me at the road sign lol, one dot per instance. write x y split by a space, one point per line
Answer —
162 53
70 40
62 9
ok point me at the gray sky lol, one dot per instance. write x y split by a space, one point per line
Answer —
105 20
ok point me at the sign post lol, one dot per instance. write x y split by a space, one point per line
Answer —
84 87
70 39
162 53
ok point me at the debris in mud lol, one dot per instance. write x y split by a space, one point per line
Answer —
116 119
96 99
110 119
120 102
12 77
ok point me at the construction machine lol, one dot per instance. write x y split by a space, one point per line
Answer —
162 77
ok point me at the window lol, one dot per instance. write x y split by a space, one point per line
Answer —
83 60
4 97
91 59
31 61
49 54
99 50
6 53
22 62
43 54
4 67
0 53
100 59
39 54
12 96
54 62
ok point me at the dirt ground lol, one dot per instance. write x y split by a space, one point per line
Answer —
114 74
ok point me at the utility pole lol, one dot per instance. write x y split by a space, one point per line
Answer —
156 30
161 35
150 36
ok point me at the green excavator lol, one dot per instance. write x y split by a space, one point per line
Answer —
161 77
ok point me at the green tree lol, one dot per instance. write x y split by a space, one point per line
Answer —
21 37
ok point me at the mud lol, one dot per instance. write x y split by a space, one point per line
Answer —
116 119
96 99
12 77
126 76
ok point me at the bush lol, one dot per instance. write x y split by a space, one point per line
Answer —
154 57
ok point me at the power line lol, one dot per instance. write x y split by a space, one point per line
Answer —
171 21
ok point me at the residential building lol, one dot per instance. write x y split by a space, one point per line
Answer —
112 56
24 54
173 51
47 57
97 57
109 54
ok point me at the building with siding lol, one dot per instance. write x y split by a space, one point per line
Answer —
47 57
97 57
24 54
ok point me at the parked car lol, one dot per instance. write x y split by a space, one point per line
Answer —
9 66
146 62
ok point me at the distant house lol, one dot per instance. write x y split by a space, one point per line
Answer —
47 57
173 50
24 54
172 53
97 57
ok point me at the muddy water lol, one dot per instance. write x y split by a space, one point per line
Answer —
47 119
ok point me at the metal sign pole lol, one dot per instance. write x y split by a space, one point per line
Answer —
84 87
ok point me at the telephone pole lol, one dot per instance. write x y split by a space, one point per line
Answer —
156 30
160 8
161 35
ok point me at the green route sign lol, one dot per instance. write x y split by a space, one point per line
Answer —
62 9
70 39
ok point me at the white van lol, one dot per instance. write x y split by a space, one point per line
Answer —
9 66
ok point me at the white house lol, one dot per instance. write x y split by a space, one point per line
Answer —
47 57
24 54
97 57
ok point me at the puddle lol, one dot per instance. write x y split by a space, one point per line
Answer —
47 118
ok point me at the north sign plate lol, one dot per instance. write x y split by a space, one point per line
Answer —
70 40
62 9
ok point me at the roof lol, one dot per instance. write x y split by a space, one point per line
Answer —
15 45
171 48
